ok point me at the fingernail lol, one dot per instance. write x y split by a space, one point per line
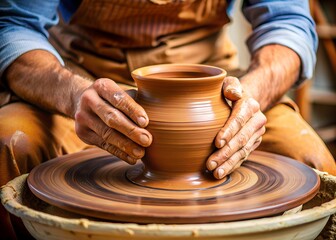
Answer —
212 165
220 173
221 143
144 139
137 152
142 121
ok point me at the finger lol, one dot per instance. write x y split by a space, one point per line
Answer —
242 112
254 146
240 162
113 137
113 118
222 155
111 92
118 153
236 159
241 138
232 88
91 138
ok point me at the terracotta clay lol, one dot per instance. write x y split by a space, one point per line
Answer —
186 110
47 222
93 183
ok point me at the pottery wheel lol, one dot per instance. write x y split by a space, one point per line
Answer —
94 183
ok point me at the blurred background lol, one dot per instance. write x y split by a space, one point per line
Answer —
316 98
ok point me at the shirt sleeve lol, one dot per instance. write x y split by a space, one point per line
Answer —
24 27
287 23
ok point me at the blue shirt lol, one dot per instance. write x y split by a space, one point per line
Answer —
24 25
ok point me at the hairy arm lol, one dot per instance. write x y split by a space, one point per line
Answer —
104 114
273 70
38 77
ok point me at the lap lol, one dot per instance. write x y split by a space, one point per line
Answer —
288 134
29 136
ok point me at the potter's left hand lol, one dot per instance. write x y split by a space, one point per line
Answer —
241 134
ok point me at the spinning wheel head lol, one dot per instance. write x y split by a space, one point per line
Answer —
94 183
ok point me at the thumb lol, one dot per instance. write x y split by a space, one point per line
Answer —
232 88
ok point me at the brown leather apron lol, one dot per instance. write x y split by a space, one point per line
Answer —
112 38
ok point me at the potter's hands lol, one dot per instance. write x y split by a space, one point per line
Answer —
241 134
106 116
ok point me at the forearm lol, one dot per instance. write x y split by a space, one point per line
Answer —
39 78
272 72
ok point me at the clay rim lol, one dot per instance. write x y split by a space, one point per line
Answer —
143 72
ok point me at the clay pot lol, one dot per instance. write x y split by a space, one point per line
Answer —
186 110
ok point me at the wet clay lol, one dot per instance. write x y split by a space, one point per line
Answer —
171 184
186 111
93 183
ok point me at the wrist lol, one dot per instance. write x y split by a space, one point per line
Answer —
79 85
273 71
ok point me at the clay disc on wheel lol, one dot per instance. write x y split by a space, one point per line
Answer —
94 183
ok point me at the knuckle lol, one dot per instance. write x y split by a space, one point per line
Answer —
240 120
104 145
132 131
226 153
227 135
242 154
118 99
101 84
86 97
242 139
108 134
231 163
112 117
253 104
120 145
79 117
117 152
245 151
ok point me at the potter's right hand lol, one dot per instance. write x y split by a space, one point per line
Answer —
106 116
